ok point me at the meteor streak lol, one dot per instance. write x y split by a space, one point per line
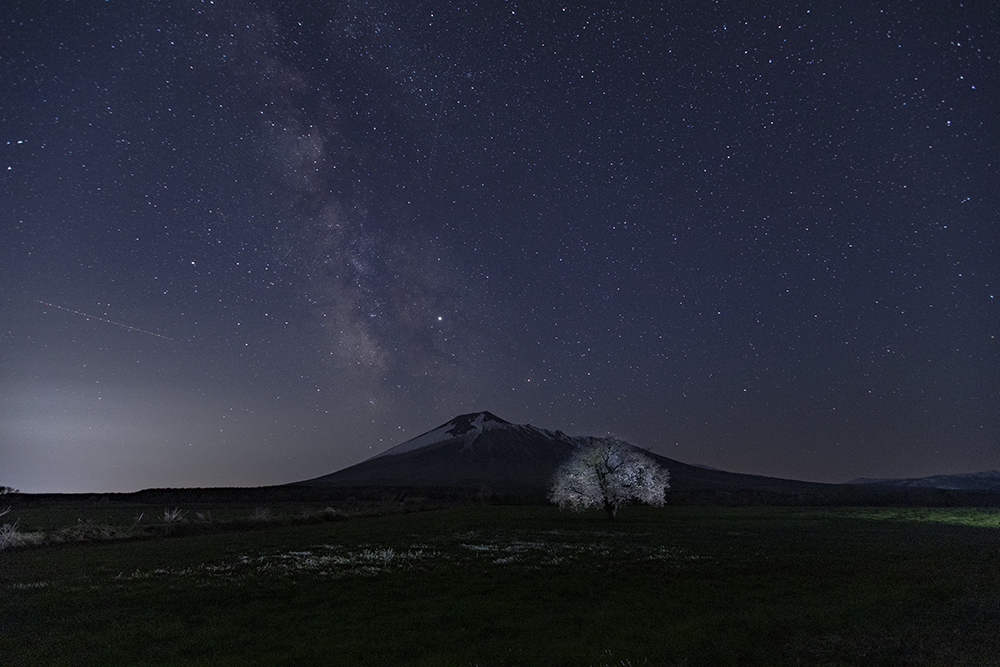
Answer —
101 319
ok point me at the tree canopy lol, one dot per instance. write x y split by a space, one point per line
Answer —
608 473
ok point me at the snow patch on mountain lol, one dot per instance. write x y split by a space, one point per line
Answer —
465 427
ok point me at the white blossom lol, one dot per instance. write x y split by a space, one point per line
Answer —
608 473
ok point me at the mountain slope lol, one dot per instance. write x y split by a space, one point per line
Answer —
472 450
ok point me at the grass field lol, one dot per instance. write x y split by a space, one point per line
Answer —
495 585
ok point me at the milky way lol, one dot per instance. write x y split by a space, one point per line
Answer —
401 310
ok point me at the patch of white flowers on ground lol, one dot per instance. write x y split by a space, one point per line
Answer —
334 560
533 552
324 560
528 550
671 554
29 585
541 553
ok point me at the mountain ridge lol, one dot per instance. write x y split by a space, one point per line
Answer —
988 480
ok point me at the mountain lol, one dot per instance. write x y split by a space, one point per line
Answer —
974 481
472 450
480 450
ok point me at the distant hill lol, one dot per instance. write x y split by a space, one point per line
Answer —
481 450
974 481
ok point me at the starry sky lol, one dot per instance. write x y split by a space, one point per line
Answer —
248 243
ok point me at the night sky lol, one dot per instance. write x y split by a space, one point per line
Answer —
248 243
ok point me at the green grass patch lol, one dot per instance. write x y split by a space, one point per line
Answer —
523 586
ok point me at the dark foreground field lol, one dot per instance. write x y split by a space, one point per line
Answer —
523 586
